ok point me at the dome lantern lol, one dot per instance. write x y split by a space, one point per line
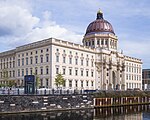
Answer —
99 14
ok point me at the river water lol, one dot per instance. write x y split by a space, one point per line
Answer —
116 113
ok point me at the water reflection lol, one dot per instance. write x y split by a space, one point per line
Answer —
116 113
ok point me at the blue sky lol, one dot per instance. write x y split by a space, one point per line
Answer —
26 21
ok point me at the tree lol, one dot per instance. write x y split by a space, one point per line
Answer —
59 80
5 76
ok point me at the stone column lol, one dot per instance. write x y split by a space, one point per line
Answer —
118 77
123 78
104 77
110 77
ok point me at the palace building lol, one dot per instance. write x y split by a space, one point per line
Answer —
96 64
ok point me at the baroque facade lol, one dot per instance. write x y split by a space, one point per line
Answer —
96 64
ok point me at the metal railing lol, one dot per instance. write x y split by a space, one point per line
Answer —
18 91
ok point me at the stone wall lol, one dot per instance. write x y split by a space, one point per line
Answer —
33 103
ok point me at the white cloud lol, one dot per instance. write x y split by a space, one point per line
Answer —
18 26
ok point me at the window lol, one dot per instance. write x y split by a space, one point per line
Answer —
26 61
87 83
57 58
70 71
87 73
87 63
92 63
22 61
47 58
70 83
18 73
47 50
76 72
47 83
92 74
9 73
41 70
64 71
93 42
64 59
13 63
41 51
76 83
18 62
97 42
102 42
26 54
86 43
70 60
13 73
82 84
82 62
47 70
26 71
81 72
36 52
36 59
36 70
31 60
41 58
31 71
22 72
57 70
41 82
31 53
92 83
57 50
76 61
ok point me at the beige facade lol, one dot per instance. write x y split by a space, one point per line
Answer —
96 64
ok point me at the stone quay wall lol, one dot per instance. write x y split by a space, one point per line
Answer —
34 103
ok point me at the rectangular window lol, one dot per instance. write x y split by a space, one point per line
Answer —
36 71
76 61
92 74
57 58
87 83
87 63
82 62
41 82
47 70
47 83
18 62
76 83
97 42
81 72
64 71
26 61
92 83
92 63
64 59
70 71
30 71
70 83
57 70
31 60
82 84
13 73
41 58
41 71
87 73
22 61
36 59
18 73
26 71
22 72
76 72
47 58
70 60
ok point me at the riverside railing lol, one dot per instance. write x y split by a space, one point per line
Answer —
43 92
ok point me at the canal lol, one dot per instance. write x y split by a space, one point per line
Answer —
141 112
